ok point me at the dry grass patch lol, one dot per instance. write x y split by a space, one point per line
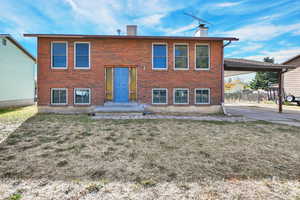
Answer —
149 152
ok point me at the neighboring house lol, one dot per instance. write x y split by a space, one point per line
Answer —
87 73
235 86
17 68
291 79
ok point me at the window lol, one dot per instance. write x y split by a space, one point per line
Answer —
181 96
181 56
202 56
59 96
4 42
159 56
82 55
82 96
202 96
159 96
59 55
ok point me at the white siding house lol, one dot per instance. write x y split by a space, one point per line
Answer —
17 73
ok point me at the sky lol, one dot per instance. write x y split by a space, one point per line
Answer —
264 27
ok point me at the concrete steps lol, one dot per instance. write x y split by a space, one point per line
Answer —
111 107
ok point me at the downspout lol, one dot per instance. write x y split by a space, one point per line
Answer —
222 77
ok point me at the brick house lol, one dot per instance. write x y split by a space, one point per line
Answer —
86 73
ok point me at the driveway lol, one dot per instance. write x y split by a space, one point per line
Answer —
270 114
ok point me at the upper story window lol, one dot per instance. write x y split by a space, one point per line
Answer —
159 56
59 55
202 56
181 56
82 55
3 41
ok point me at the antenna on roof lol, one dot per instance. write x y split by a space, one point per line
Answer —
201 29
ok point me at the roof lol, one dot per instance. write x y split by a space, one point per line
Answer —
238 64
291 59
129 37
10 38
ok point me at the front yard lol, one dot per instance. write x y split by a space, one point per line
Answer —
75 157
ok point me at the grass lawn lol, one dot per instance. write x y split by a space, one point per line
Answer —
150 152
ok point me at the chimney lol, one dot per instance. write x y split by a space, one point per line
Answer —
131 30
202 31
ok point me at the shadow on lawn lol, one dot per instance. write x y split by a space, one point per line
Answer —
68 147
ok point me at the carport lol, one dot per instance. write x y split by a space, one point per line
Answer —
235 66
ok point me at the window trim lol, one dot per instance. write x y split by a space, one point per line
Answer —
64 42
204 69
195 98
188 59
66 89
75 67
188 96
160 43
166 89
74 96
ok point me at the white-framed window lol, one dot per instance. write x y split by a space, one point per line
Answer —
82 96
202 96
159 56
159 96
59 55
59 96
82 55
181 56
181 96
202 56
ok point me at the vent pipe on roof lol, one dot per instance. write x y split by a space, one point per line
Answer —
131 30
202 31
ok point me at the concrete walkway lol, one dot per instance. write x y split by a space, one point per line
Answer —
289 117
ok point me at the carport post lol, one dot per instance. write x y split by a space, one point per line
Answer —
280 91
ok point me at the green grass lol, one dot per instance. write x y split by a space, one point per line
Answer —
19 114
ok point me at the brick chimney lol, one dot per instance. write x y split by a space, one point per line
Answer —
131 30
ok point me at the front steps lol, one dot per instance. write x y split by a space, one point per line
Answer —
112 107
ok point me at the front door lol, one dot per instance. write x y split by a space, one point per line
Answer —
121 76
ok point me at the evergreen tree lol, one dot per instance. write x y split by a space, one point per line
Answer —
263 80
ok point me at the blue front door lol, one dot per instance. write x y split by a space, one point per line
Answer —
121 91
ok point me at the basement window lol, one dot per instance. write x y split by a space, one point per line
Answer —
82 96
59 96
202 96
181 96
159 96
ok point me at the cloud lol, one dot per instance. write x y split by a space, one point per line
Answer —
150 20
227 4
280 55
262 31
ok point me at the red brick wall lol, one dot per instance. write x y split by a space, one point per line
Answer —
127 52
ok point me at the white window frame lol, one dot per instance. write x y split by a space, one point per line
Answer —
188 59
188 96
166 89
204 69
64 42
66 89
74 96
89 67
196 97
160 43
